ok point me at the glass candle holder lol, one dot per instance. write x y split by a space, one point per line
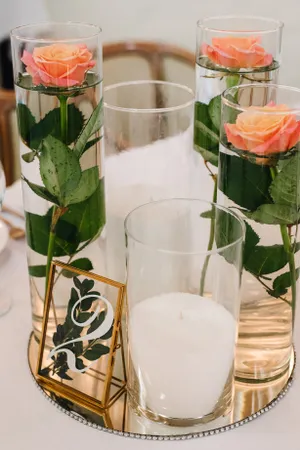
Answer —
259 178
58 74
181 337
230 51
148 146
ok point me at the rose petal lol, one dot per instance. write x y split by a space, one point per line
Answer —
233 136
280 142
295 136
237 52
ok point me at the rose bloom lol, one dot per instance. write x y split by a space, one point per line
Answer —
236 52
61 65
264 133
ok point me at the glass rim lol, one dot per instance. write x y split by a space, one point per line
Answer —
186 253
279 23
149 110
257 109
14 33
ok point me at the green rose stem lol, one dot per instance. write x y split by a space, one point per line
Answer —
57 213
63 117
57 210
211 234
231 80
291 257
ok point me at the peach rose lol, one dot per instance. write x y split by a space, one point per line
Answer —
236 52
62 65
264 134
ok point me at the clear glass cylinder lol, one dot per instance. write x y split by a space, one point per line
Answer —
230 51
182 332
58 84
148 146
5 299
259 179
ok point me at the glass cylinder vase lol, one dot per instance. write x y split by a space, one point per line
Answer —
58 74
181 339
259 178
148 146
230 51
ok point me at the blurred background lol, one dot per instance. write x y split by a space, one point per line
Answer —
175 21
143 39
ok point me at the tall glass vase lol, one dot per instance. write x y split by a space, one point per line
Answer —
58 74
231 51
259 177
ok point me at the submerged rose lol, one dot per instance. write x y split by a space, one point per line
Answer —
264 133
61 65
236 52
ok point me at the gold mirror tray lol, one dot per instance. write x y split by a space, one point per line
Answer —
250 402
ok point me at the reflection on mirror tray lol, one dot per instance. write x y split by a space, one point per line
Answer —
250 401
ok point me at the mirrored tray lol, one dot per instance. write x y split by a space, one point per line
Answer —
250 402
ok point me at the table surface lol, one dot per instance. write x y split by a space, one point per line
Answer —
29 421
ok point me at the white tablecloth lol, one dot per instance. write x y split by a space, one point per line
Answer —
29 422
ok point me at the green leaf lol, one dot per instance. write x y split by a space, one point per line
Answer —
77 283
59 335
273 214
81 263
91 143
41 191
25 121
89 216
79 364
37 271
83 317
74 297
92 126
62 374
285 187
38 230
251 240
44 372
87 285
97 322
88 183
214 110
208 214
206 135
208 155
28 157
60 169
96 352
282 283
108 335
86 304
82 222
243 182
50 125
264 260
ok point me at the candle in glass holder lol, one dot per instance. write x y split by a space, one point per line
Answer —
182 348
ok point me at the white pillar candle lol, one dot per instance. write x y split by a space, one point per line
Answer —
182 348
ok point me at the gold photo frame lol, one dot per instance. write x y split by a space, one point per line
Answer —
81 353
